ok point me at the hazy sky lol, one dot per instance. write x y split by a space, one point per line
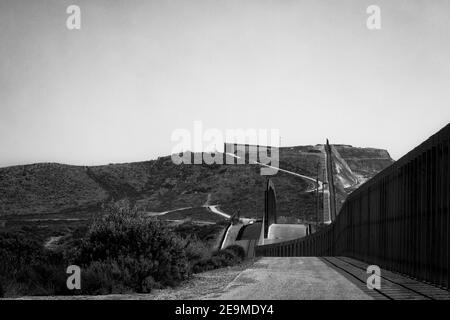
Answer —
115 90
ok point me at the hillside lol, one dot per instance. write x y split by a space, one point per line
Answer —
364 162
50 189
47 188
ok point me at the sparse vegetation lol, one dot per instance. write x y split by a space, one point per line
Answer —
122 251
221 258
47 188
27 268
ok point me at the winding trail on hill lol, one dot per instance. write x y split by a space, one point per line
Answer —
285 171
211 208
152 214
215 210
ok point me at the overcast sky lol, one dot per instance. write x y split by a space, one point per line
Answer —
115 90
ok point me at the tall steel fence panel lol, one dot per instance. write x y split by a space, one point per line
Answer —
398 220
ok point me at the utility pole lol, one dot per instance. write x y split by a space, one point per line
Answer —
323 192
331 189
317 197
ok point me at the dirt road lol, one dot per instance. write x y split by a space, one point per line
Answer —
290 278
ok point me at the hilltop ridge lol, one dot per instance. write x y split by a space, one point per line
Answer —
160 185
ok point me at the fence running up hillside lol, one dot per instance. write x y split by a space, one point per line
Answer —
398 220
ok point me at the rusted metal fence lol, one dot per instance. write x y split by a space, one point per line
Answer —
398 220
